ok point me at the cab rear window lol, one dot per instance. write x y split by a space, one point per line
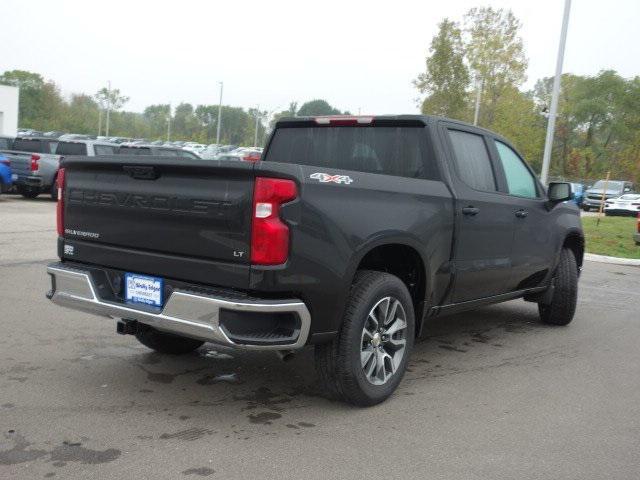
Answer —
399 151
33 145
104 150
134 151
71 148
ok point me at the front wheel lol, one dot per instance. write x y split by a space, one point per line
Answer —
565 293
365 363
166 342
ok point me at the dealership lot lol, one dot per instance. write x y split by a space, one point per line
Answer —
490 394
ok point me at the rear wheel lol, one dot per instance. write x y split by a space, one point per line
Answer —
166 342
365 363
28 192
565 293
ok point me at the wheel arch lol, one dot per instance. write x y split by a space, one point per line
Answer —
574 241
402 258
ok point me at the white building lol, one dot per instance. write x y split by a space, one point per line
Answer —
8 111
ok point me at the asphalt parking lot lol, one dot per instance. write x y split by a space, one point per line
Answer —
491 394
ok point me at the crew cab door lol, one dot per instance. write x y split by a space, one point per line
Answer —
484 221
533 241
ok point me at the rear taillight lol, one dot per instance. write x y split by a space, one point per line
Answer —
60 206
6 161
638 227
269 234
251 157
35 162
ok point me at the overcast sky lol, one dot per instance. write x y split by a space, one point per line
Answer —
357 55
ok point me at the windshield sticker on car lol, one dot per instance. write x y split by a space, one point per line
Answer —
327 178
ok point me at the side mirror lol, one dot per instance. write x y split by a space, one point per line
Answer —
559 192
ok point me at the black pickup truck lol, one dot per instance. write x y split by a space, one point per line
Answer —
349 234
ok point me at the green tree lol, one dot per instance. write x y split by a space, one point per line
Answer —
565 121
518 119
236 126
207 117
597 125
495 53
111 98
262 131
446 79
185 123
317 107
157 118
292 111
41 104
81 115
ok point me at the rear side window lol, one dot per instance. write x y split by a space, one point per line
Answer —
71 148
186 154
520 182
472 160
134 151
167 153
400 151
104 150
5 144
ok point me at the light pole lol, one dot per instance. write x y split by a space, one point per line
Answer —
479 87
108 107
551 125
255 138
169 124
219 116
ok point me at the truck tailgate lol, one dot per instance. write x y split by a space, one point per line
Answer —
194 209
20 162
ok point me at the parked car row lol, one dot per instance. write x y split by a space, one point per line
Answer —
614 189
589 197
30 164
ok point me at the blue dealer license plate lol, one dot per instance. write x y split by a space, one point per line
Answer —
143 289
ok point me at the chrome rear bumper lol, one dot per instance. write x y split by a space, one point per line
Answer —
185 313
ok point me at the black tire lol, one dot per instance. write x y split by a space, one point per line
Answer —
27 192
586 209
338 362
166 342
565 295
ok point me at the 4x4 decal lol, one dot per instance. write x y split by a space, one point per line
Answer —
326 178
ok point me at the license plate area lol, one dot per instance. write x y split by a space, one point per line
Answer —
143 289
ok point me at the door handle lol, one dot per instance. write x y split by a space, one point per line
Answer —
470 211
521 213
